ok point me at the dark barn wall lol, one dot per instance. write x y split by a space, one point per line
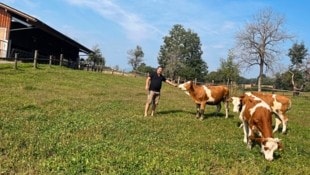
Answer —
35 39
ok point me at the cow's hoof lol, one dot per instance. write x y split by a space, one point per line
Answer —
249 146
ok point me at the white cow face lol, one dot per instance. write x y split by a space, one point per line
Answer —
185 86
269 146
236 103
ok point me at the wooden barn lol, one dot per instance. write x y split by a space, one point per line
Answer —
23 34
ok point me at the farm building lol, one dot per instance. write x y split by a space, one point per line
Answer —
23 34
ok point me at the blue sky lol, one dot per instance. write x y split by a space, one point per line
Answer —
117 26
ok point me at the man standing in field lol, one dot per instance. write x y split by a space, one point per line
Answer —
153 85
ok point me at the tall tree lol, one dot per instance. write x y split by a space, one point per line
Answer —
135 57
145 69
214 77
257 43
298 54
298 68
96 58
283 81
181 54
228 69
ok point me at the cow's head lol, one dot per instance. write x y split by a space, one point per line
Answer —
186 86
237 105
269 146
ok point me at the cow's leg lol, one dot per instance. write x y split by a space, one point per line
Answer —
226 108
283 120
278 122
284 124
245 131
202 110
218 109
250 138
280 118
244 125
198 110
241 118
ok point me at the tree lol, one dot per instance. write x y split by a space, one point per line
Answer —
228 69
214 77
96 58
298 69
257 43
145 69
298 54
283 81
181 54
135 57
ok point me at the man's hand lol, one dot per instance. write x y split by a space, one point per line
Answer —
173 84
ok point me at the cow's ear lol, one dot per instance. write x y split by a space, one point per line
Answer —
280 145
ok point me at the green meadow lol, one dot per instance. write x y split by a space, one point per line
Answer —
55 120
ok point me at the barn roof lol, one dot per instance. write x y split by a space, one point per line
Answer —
29 33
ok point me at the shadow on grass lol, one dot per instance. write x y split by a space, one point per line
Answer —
173 112
207 115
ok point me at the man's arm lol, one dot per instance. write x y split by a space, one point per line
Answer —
171 83
147 83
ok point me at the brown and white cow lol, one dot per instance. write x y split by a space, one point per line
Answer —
203 95
256 116
278 103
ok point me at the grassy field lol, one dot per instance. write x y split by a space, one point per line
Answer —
61 121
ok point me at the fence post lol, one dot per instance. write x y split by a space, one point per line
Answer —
15 60
60 59
78 63
50 60
35 59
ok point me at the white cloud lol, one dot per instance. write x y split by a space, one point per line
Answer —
135 27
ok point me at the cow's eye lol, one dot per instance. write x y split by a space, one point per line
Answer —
266 148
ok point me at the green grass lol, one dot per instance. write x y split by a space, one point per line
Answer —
61 121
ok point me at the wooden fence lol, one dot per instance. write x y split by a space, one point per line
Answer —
36 59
